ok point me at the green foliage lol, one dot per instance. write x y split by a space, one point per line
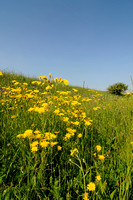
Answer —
117 88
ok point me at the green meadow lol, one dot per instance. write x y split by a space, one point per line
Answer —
59 142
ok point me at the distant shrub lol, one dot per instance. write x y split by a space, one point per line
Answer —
117 88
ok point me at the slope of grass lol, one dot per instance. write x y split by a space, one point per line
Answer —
63 142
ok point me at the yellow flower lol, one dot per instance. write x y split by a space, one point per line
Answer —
25 83
96 108
53 143
75 123
67 136
45 105
86 196
75 90
37 132
101 157
44 143
30 109
65 81
48 87
70 130
28 133
91 186
49 75
79 135
65 119
98 147
131 143
34 149
20 136
59 148
33 144
38 136
36 91
45 77
98 178
87 122
56 132
13 116
40 109
57 111
74 103
73 151
16 83
1 74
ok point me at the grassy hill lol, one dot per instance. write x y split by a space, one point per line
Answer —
63 142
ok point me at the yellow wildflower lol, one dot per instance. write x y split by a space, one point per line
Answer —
45 77
101 157
75 123
53 143
33 144
75 90
79 135
34 149
1 74
28 133
67 136
36 91
13 116
49 75
65 81
74 103
48 87
98 147
59 148
57 111
40 109
87 122
72 131
44 143
16 83
38 136
20 136
25 83
37 131
91 186
96 108
98 178
45 105
86 196
73 151
65 119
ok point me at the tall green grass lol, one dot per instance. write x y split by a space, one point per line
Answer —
63 142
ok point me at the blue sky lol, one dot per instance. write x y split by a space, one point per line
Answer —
79 40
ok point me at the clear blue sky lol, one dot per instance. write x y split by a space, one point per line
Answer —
79 40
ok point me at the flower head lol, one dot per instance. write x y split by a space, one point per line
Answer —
101 157
98 178
98 147
91 186
73 151
59 148
34 148
86 196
